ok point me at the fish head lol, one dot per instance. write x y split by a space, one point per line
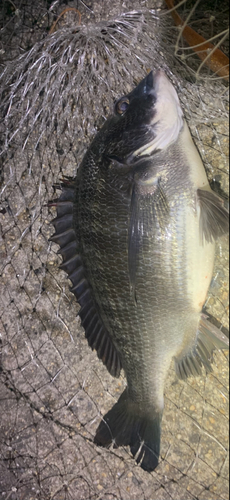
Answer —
146 120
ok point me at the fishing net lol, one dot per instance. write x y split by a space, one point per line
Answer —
59 78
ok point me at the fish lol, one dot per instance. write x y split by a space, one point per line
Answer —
137 229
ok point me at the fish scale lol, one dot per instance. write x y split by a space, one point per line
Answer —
136 230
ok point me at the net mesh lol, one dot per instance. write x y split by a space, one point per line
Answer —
56 90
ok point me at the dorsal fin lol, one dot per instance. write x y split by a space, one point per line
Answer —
65 236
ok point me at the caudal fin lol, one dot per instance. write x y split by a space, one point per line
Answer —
126 425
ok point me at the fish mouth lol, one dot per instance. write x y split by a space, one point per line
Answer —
158 77
167 120
154 81
149 82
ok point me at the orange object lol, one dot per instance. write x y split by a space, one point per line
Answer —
62 14
213 57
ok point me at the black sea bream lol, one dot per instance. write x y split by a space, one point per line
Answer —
137 229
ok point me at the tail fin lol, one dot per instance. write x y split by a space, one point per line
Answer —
125 425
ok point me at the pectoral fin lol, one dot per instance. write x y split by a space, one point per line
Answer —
134 236
214 218
148 210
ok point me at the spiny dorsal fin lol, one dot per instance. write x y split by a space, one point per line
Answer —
65 236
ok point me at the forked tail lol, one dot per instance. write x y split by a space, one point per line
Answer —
125 424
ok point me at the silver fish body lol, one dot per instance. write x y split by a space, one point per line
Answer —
139 225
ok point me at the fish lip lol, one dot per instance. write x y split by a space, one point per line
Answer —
154 82
157 78
153 78
159 74
149 82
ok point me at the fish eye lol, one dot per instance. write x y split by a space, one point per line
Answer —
122 105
